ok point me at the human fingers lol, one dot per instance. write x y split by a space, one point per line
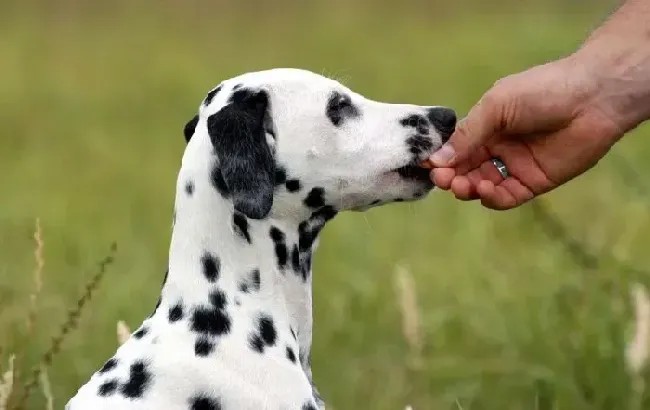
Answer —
482 121
463 189
510 193
487 171
442 177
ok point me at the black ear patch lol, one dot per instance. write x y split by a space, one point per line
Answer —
237 132
188 131
211 95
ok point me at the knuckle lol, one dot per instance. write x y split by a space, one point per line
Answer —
494 98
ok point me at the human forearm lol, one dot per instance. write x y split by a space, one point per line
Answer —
617 56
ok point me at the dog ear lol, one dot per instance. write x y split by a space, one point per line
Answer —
189 128
238 135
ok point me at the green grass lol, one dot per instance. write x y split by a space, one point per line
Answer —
94 98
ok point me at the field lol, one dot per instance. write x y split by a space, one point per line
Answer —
510 314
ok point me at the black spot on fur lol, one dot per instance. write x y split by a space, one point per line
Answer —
295 258
203 347
175 313
323 215
211 321
305 236
276 234
308 406
256 343
189 188
315 198
218 299
109 365
107 388
190 126
306 266
291 355
339 107
281 252
265 334
398 200
267 330
307 233
202 402
293 185
140 333
251 282
211 266
240 224
418 144
139 380
255 279
211 94
218 182
280 175
293 333
418 122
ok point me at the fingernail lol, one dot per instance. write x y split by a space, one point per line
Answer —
443 155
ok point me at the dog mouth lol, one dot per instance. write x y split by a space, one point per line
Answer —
414 172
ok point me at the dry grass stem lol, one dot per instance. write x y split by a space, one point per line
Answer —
38 277
68 326
123 332
407 299
6 384
46 388
638 349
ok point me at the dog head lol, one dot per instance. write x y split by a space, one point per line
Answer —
283 140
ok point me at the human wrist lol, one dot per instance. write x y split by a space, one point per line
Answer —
616 81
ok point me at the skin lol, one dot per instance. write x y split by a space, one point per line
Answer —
553 122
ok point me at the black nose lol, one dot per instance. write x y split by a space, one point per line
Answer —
444 119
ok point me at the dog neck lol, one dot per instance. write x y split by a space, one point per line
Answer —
256 266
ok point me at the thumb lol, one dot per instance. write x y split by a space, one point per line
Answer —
482 121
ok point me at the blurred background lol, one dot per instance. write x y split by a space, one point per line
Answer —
438 305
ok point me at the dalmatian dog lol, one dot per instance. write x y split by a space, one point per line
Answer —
271 157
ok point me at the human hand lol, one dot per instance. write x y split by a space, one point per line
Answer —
548 125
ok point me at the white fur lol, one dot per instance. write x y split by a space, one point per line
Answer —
354 163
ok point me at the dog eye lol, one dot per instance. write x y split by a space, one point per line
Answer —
338 102
342 102
339 106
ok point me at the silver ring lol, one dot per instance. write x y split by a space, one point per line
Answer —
501 167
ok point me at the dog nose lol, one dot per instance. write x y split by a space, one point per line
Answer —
444 119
